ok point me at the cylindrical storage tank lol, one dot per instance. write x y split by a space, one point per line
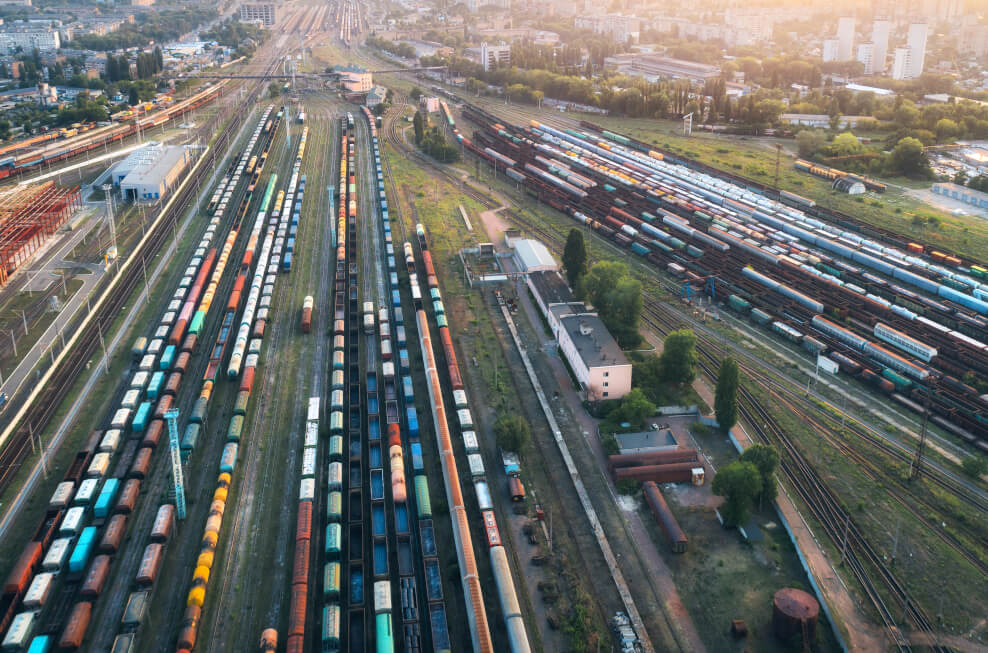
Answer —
677 455
667 521
791 608
671 473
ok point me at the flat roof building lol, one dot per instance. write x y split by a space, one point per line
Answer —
45 39
147 174
657 66
532 256
597 361
962 194
258 12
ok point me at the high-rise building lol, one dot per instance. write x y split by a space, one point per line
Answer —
880 41
866 55
494 56
973 40
901 64
830 49
916 42
845 37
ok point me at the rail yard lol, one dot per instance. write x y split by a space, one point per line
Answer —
293 449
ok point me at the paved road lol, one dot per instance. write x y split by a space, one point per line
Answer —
44 272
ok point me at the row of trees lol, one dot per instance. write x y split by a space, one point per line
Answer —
906 158
397 48
748 481
608 286
157 27
432 141
233 33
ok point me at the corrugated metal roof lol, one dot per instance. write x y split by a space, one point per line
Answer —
532 256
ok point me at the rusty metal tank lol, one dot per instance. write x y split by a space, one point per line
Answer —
793 612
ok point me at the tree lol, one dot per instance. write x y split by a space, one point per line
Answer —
512 432
845 144
575 257
765 458
418 124
739 483
726 400
908 157
635 408
274 90
907 114
133 98
415 93
679 356
808 142
975 466
617 298
946 130
112 72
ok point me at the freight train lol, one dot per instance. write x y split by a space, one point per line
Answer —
67 563
260 262
503 581
669 213
54 152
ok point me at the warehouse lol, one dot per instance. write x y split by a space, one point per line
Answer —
29 215
532 256
594 356
150 172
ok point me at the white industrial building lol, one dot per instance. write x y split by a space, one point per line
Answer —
148 173
532 256
597 361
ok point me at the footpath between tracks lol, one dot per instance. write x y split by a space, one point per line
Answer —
605 547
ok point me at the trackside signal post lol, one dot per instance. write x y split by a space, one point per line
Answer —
171 416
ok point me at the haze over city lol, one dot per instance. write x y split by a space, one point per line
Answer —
422 325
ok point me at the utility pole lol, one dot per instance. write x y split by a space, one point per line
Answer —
916 469
778 157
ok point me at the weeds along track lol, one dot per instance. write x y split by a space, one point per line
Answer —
866 564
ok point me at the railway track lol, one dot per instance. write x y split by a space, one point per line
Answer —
43 407
822 502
